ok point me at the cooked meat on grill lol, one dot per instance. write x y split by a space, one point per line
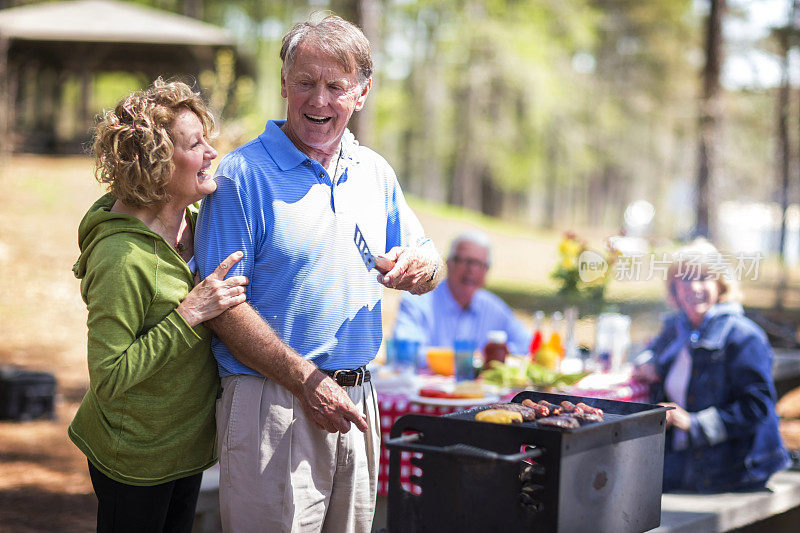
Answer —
528 414
498 416
570 407
563 422
583 416
554 409
540 410
590 409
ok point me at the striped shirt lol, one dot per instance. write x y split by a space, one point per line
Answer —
436 319
296 228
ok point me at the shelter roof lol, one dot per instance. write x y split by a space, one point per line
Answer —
106 21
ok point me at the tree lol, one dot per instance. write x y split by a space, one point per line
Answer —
708 126
785 36
367 15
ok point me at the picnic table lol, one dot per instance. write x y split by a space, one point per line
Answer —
786 370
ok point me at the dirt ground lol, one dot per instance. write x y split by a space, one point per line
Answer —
44 483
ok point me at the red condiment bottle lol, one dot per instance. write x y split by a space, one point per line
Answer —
536 341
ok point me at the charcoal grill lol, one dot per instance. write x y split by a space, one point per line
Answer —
475 476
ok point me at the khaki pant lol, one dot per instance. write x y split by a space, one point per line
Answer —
279 472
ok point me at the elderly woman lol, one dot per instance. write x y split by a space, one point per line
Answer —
713 366
147 424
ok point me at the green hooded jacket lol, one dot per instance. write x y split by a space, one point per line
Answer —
148 416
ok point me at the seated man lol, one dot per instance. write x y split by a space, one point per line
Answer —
459 308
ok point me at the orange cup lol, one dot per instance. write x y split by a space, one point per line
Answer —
441 360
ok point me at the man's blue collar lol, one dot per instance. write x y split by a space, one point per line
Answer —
279 147
283 151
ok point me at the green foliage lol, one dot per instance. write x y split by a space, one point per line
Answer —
111 87
573 107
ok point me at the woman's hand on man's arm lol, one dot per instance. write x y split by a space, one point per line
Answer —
215 294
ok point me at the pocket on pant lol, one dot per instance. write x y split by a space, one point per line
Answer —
225 409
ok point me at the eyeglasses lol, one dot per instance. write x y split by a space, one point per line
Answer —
474 263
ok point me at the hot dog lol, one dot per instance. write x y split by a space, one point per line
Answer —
555 410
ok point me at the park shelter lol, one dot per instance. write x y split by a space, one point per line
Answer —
43 46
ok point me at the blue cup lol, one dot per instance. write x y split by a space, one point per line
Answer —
391 351
464 350
405 353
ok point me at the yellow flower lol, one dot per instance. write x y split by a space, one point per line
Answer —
569 262
569 248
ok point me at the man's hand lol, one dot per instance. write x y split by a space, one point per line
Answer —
678 417
256 345
412 270
329 406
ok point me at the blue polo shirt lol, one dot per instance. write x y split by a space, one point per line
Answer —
436 319
296 228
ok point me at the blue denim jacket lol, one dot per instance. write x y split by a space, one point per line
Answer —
733 443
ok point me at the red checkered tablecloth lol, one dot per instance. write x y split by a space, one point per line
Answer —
393 406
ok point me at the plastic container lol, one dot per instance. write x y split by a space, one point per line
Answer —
440 360
612 342
464 355
572 361
496 348
405 354
536 340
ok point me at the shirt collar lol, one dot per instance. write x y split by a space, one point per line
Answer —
715 326
286 155
454 306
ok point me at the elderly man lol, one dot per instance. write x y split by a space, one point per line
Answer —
292 359
460 308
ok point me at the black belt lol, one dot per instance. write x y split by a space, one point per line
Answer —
349 378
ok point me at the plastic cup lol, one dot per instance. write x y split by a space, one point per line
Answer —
464 353
405 353
440 360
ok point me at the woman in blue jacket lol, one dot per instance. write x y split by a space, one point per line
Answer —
714 367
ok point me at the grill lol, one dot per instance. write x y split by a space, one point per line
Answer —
601 477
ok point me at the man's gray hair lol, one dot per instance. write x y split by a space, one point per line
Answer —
475 237
334 36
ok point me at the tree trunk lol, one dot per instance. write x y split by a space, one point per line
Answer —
434 99
783 163
6 104
550 176
469 165
710 114
193 8
366 14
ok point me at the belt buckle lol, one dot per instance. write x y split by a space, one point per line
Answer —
336 377
359 373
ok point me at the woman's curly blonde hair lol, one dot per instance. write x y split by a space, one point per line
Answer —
132 144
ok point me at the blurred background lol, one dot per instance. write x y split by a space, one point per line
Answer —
637 124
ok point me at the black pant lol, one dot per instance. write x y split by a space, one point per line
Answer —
122 508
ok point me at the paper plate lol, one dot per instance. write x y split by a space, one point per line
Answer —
454 402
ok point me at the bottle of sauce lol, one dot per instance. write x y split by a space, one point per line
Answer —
556 340
536 340
496 348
